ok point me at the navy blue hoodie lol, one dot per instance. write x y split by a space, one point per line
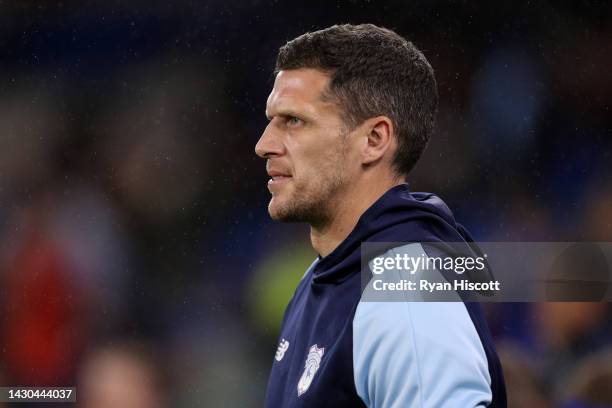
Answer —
338 351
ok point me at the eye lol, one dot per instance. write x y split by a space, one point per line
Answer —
294 121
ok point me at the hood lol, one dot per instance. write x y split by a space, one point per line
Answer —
397 216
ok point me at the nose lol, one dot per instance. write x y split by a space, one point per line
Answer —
269 144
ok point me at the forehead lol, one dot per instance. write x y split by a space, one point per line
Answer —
298 89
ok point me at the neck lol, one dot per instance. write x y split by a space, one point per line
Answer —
347 210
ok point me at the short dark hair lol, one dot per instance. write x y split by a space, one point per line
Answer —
374 71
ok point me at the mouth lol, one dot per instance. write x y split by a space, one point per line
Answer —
278 178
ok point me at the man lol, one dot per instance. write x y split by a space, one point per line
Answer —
350 113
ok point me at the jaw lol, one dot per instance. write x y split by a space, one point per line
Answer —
290 204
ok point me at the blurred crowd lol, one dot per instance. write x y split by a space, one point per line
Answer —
137 259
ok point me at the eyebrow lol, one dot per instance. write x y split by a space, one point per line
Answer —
288 112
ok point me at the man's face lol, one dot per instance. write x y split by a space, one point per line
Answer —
307 150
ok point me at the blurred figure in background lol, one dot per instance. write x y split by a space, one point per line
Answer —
567 333
523 382
44 325
126 374
590 386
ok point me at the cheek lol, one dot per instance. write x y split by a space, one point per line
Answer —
315 165
317 155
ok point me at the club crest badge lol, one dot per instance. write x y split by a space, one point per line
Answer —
311 366
280 351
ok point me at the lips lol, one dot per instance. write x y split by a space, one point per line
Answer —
277 177
276 172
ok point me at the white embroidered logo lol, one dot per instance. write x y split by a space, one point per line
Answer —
310 368
280 351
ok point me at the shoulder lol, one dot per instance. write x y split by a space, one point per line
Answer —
416 353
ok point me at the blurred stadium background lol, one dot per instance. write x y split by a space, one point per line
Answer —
137 259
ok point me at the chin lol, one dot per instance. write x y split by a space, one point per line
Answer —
278 211
282 210
274 208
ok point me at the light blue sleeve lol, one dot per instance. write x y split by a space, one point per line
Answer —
418 354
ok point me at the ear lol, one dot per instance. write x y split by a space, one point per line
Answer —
380 136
